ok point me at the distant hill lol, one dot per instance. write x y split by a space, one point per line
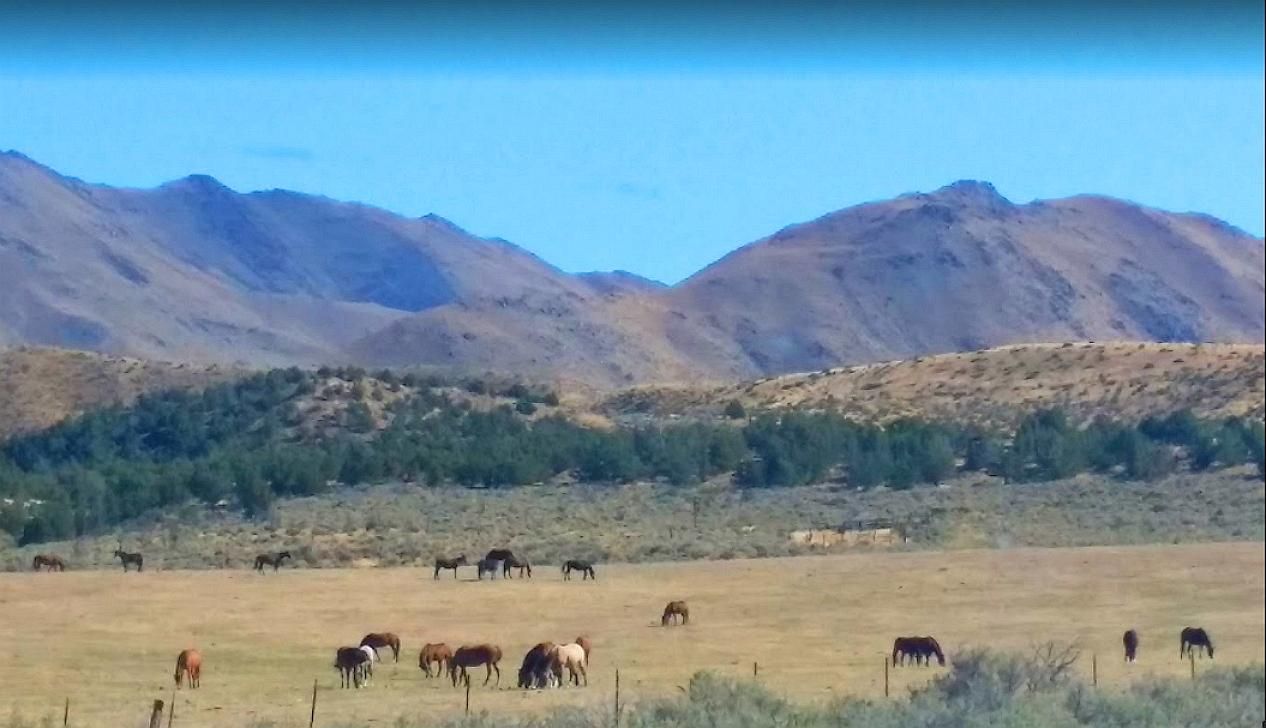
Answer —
193 271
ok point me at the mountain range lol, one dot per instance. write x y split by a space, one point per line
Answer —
192 270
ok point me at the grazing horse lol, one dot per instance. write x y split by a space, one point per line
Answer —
1194 637
367 667
52 562
349 662
486 566
379 640
572 657
439 654
1131 642
449 564
536 671
516 562
673 611
468 656
189 662
126 558
919 649
586 644
577 565
505 556
273 560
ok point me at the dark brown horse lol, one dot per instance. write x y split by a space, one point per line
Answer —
350 661
535 672
577 565
673 611
449 564
273 560
468 656
1130 640
129 558
189 662
1194 637
52 562
434 654
379 640
487 566
920 649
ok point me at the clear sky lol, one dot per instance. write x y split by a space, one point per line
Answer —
653 140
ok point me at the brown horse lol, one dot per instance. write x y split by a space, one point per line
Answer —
449 564
584 567
52 562
517 562
437 654
468 656
379 640
673 611
1194 637
129 558
273 560
535 672
586 644
350 661
919 649
1130 640
189 662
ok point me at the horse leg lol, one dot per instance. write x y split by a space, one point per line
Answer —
496 667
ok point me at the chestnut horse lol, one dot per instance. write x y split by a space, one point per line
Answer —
468 656
273 560
189 662
449 564
128 558
573 658
349 661
536 671
586 645
52 562
577 565
1130 640
379 640
675 610
439 654
1194 637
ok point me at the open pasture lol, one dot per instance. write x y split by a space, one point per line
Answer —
818 627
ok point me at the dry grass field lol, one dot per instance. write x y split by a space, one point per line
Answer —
818 627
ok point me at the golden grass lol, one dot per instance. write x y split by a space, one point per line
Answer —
817 626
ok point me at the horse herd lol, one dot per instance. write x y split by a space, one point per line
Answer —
921 650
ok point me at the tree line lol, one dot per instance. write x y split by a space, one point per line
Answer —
237 444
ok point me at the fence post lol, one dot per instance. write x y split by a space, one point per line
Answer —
171 712
755 670
885 677
617 697
467 694
312 715
1094 670
156 715
66 714
1191 657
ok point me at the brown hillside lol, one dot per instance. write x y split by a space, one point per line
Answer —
995 386
40 387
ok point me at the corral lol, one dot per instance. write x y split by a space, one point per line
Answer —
816 627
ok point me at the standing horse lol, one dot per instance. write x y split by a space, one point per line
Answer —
536 669
439 654
468 656
379 640
128 558
1130 640
487 566
189 663
577 565
673 611
586 644
505 556
367 667
273 560
1194 637
517 562
572 657
919 649
52 562
449 564
349 661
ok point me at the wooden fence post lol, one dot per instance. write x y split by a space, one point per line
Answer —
171 712
885 677
312 715
156 715
1191 657
66 714
617 697
1094 670
755 669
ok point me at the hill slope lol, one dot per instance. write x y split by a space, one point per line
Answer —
192 270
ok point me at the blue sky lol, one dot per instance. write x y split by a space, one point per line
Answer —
647 142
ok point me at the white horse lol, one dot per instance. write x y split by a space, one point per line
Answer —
571 656
367 667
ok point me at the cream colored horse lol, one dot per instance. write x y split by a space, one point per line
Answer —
571 656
